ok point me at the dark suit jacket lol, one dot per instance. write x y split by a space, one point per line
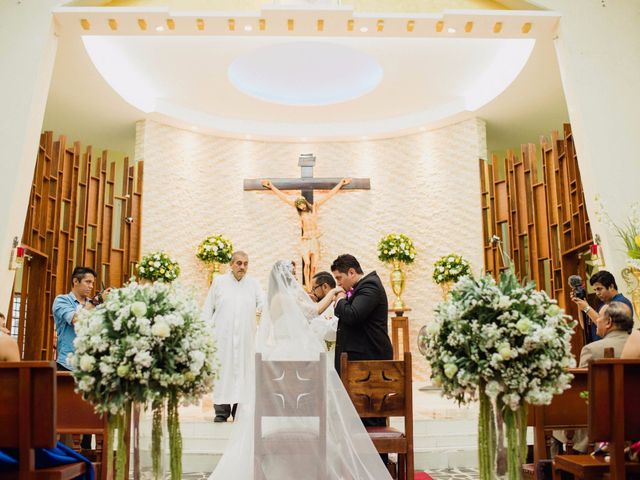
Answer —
362 322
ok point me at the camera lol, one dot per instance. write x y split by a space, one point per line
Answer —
97 300
578 290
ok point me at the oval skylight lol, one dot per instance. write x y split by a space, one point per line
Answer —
305 73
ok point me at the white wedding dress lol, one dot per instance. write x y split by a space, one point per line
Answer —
285 335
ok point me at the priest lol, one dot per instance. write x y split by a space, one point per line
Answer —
233 303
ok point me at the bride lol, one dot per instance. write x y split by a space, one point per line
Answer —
285 335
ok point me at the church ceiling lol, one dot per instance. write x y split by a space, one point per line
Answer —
319 73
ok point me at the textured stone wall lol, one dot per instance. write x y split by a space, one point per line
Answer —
425 185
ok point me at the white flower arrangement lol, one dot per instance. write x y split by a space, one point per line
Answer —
215 248
396 246
504 344
144 344
158 266
450 268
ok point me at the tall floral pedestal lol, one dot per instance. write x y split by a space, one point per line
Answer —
446 289
631 276
214 270
398 279
399 330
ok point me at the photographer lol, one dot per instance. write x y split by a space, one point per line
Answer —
66 308
65 314
606 289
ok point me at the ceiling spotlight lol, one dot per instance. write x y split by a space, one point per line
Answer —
159 28
364 29
248 28
451 30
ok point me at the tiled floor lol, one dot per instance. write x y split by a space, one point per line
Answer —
455 473
445 474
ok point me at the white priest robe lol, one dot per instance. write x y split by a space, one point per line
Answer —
230 309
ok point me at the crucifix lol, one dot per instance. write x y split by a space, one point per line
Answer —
305 205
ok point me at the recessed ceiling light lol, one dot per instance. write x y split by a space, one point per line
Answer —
451 30
248 28
364 29
159 28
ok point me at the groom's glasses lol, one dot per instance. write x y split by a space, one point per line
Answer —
313 289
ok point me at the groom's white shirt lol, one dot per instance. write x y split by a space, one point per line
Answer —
230 309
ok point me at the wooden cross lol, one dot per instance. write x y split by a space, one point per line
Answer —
307 183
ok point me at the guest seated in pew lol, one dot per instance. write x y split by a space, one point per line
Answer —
613 326
632 347
9 351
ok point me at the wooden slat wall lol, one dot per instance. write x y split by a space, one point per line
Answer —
537 208
71 219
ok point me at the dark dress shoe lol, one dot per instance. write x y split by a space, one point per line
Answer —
219 419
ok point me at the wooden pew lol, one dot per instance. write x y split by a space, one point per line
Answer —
567 411
614 417
76 416
28 418
383 388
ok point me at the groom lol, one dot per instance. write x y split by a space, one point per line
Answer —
362 318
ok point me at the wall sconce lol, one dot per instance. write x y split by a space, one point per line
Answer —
129 220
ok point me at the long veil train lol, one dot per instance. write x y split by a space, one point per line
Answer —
284 335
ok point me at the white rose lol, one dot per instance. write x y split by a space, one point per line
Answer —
161 329
86 363
524 325
504 349
450 370
139 309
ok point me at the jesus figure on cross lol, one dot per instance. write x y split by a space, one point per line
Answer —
308 212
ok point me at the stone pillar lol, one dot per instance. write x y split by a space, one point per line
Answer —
27 52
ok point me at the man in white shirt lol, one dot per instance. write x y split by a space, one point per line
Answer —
233 303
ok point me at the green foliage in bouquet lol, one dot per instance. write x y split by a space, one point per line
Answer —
450 268
215 248
396 246
628 231
158 266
